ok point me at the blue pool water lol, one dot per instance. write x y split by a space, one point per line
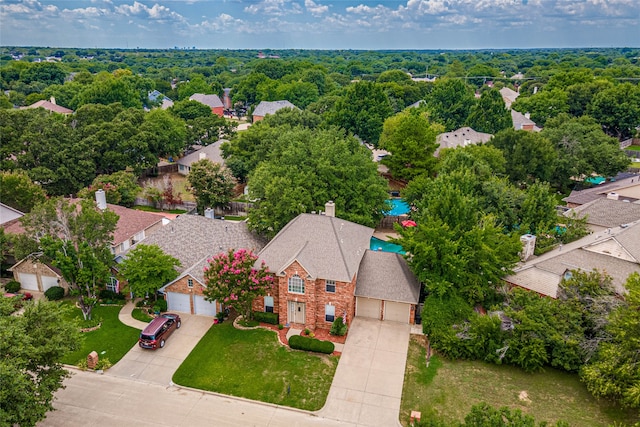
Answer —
399 207
385 246
595 180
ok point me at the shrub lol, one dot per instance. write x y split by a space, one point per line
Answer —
12 287
54 293
311 344
280 326
338 327
160 305
306 331
103 364
82 364
262 316
106 294
142 303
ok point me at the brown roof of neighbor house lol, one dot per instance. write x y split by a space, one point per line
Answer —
192 238
131 222
270 107
600 191
327 247
50 106
616 252
386 276
212 101
607 212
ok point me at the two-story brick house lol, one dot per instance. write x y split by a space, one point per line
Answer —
317 260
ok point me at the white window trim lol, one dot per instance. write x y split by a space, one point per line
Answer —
190 283
330 283
327 309
301 283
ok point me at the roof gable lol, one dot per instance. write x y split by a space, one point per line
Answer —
212 101
386 275
270 107
211 152
327 247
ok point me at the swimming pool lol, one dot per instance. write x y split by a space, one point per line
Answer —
377 244
398 207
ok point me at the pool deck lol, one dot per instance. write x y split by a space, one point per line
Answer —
385 234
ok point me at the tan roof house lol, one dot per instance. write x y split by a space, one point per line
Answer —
50 106
265 108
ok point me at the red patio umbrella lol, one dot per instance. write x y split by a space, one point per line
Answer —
408 223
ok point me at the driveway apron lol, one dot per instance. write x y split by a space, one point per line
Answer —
158 366
367 387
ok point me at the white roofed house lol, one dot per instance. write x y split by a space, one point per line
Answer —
211 152
460 138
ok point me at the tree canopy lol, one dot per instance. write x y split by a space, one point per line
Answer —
146 268
211 184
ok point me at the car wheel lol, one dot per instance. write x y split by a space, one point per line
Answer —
179 324
161 343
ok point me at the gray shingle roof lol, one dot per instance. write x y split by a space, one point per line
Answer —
386 276
520 120
212 101
327 247
461 138
270 107
599 191
607 213
192 238
211 152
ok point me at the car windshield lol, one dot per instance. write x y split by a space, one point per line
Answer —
147 337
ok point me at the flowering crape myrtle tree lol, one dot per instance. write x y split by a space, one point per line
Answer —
233 280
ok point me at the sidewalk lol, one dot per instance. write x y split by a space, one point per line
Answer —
125 316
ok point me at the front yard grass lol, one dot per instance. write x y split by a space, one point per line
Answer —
252 364
141 315
114 338
448 389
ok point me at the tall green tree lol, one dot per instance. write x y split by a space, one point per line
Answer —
450 103
617 109
32 346
309 167
211 184
544 105
615 371
489 114
18 191
411 140
121 188
362 110
146 268
77 238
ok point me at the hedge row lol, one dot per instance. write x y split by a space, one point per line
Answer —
311 344
262 316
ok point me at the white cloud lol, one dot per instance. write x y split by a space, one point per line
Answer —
274 8
157 12
315 8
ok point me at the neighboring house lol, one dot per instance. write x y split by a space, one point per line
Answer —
418 104
324 269
211 152
212 101
192 240
9 215
133 226
615 252
156 95
50 106
508 96
37 276
607 212
523 122
269 107
621 189
460 138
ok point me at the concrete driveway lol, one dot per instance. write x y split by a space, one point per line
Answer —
367 387
158 366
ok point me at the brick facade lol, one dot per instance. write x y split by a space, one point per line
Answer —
315 298
182 286
28 266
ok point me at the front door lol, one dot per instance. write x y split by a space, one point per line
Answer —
296 312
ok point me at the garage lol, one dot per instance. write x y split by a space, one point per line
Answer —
49 282
368 307
397 311
28 281
204 307
178 302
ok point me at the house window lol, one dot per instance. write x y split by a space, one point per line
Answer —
112 285
329 313
296 284
268 304
330 286
190 283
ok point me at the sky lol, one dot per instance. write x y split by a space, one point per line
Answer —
320 24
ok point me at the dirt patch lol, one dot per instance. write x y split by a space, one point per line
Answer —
524 397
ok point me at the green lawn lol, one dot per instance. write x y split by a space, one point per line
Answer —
633 148
448 389
252 364
152 209
141 315
113 338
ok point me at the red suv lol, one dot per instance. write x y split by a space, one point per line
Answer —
155 334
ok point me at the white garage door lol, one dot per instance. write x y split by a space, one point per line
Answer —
397 311
28 281
367 307
204 307
48 282
178 302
